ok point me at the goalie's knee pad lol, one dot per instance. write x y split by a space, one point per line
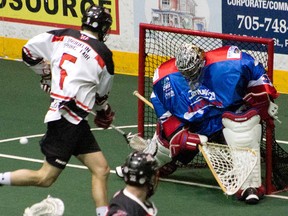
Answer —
244 131
158 150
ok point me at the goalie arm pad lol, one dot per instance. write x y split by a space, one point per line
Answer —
170 125
262 103
185 140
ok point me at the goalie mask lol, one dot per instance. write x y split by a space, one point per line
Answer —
190 60
97 19
141 169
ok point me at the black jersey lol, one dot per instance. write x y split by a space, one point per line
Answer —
126 204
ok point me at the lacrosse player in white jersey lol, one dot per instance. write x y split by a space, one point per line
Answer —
80 80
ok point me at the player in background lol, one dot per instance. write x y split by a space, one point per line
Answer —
191 93
140 173
80 80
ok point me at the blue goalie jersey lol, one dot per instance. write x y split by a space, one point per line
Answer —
228 75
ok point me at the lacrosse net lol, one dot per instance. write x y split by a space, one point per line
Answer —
230 167
157 44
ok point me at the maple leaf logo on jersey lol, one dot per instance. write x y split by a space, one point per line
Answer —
84 37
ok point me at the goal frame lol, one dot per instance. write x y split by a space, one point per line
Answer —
141 80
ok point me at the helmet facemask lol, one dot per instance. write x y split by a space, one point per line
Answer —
190 61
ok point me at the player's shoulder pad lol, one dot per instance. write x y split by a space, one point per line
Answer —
224 53
165 69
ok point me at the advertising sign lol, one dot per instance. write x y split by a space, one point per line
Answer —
57 13
257 18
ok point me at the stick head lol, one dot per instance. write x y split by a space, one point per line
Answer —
136 142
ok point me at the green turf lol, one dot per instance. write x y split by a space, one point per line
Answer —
22 112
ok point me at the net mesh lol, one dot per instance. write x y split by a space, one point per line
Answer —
232 166
161 44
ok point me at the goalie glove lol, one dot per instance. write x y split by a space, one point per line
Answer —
262 103
104 117
185 140
49 207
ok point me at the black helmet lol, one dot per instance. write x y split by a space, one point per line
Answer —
141 169
97 19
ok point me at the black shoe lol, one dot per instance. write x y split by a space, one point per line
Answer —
250 196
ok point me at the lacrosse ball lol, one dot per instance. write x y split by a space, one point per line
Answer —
23 140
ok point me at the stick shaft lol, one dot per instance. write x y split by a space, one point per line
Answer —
118 129
115 128
136 93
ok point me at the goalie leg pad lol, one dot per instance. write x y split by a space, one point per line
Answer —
244 131
158 150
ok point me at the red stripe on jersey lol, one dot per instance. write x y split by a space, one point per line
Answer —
54 110
166 68
217 55
84 107
57 38
100 61
272 92
60 96
71 113
27 52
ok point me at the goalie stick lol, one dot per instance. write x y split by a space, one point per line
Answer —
136 93
229 166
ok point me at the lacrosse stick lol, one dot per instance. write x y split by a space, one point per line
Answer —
136 93
133 140
118 130
49 206
229 166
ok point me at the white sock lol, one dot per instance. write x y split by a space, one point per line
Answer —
5 178
102 211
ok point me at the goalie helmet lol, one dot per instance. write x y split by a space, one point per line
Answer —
97 19
141 169
190 60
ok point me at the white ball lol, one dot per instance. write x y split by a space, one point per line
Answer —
23 140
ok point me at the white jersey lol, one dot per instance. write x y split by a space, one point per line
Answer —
82 71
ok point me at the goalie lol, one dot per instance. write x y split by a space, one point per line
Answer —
190 94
